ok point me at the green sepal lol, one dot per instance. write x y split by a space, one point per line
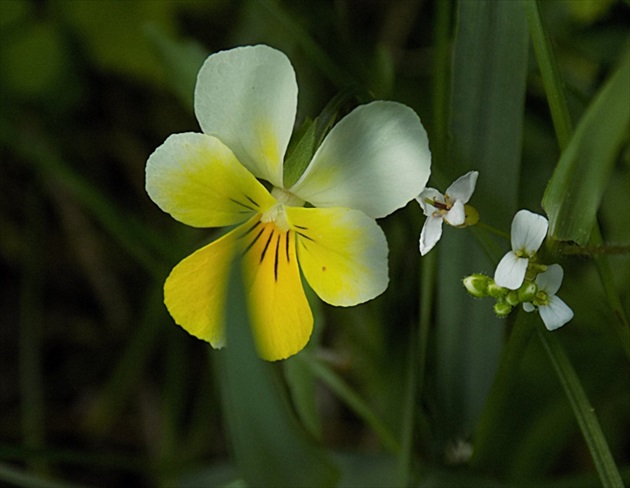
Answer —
502 309
300 152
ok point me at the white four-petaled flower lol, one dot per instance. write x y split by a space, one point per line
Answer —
448 207
553 311
528 232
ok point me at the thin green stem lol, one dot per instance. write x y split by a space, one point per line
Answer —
351 399
608 282
31 381
583 411
441 64
550 75
564 131
493 230
499 393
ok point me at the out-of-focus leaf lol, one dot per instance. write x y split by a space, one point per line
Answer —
574 192
21 477
583 411
271 448
32 60
487 103
111 33
181 61
12 12
589 11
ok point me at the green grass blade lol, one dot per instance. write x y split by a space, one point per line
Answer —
550 75
577 186
181 61
271 448
487 103
21 477
584 412
488 426
31 328
142 242
351 399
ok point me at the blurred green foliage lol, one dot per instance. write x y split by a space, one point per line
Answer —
98 387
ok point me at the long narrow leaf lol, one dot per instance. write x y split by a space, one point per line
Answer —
584 412
577 186
487 103
271 448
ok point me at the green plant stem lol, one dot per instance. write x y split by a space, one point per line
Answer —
550 75
583 411
564 131
31 381
416 367
493 230
440 85
499 393
351 399
608 282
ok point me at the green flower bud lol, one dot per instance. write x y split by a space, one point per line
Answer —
502 309
472 216
477 285
512 298
495 290
527 291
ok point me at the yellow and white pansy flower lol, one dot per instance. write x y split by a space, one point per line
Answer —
374 161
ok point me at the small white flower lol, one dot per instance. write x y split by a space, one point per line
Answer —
448 207
553 311
528 232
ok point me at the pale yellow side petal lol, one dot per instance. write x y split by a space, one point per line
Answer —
195 291
279 311
342 253
199 181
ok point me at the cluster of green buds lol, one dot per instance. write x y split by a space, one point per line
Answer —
481 286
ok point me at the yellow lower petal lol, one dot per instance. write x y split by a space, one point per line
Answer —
195 291
279 311
342 253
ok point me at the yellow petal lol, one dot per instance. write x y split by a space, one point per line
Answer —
280 314
195 291
199 181
342 253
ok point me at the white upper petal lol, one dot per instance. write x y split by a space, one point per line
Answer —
463 187
376 159
511 270
430 194
430 234
528 231
457 214
551 279
247 98
556 313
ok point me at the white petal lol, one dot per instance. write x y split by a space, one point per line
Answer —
528 231
510 272
247 97
457 214
430 234
376 159
551 279
463 187
556 313
430 194
528 307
